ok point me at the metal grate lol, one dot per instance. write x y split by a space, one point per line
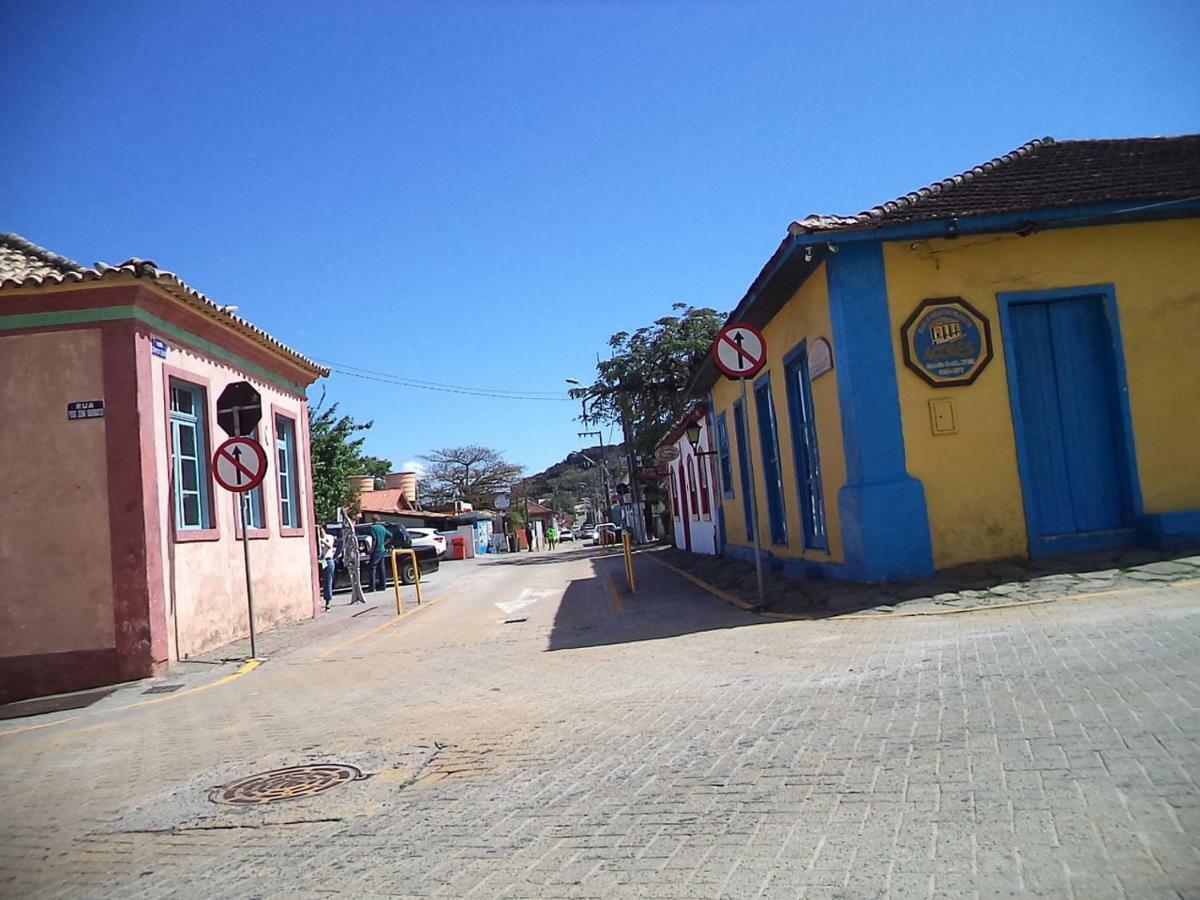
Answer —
162 689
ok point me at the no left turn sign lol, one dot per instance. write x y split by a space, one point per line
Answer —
740 351
240 464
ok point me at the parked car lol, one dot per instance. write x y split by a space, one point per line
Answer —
587 532
567 534
398 538
606 533
429 537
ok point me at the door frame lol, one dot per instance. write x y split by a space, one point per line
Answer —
1083 541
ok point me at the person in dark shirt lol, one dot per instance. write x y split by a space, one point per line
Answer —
379 540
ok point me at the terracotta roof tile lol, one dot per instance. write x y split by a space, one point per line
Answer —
25 265
1044 174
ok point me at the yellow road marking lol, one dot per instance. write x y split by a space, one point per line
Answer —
244 669
742 604
374 631
704 585
613 593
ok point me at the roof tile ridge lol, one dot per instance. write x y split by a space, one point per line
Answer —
906 201
49 257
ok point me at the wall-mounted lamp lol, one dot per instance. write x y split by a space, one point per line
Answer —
693 436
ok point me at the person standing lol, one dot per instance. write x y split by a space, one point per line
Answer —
379 536
529 536
551 536
325 549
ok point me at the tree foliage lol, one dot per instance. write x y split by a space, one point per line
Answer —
336 455
649 372
473 473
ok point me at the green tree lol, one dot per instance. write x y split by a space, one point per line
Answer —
647 376
473 474
336 455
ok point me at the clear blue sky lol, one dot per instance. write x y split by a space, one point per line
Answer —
480 194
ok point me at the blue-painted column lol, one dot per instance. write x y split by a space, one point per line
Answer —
884 520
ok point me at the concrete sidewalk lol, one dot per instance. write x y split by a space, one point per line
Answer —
998 583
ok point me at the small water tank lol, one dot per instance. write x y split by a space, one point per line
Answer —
362 483
405 482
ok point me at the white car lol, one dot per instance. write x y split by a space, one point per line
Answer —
428 537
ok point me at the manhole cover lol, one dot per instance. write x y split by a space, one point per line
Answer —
286 784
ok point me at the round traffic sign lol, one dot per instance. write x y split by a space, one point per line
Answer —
740 351
240 464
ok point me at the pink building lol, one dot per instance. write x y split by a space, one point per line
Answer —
118 552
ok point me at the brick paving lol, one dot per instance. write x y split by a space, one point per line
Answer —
656 745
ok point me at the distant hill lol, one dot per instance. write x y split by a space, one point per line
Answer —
561 481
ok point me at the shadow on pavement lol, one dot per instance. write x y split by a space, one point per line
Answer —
992 581
599 611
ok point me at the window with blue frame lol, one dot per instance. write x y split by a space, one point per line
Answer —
189 456
743 445
285 445
804 449
254 511
723 456
772 472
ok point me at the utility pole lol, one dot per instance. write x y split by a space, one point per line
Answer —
639 510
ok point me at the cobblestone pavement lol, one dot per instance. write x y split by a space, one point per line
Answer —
992 583
656 745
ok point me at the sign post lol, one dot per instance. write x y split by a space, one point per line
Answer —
740 352
239 466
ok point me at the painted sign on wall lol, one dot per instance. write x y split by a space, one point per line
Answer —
820 359
947 341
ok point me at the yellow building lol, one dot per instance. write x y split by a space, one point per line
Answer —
1002 364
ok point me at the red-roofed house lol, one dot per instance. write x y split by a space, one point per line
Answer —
119 551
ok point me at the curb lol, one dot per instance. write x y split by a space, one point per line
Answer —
741 604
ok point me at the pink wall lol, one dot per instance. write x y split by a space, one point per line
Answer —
202 589
55 564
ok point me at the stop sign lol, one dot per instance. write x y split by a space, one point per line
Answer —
239 409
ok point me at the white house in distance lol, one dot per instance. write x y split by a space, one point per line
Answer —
690 452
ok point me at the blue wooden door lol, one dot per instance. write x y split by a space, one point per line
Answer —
1073 460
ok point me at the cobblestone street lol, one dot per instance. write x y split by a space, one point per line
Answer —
538 732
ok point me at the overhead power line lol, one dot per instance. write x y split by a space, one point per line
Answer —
404 381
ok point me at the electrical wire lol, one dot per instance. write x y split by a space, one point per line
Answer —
423 383
368 375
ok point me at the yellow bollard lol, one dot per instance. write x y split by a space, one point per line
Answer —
627 541
396 577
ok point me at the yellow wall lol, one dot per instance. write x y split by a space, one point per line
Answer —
971 480
806 316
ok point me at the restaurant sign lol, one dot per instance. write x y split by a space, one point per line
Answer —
946 341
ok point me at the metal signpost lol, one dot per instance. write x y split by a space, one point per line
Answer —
740 352
239 465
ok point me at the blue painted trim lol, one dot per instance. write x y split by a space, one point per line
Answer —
811 503
742 439
1065 217
768 439
1170 528
795 569
884 518
1039 547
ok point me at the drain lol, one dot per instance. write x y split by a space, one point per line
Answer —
286 784
163 689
